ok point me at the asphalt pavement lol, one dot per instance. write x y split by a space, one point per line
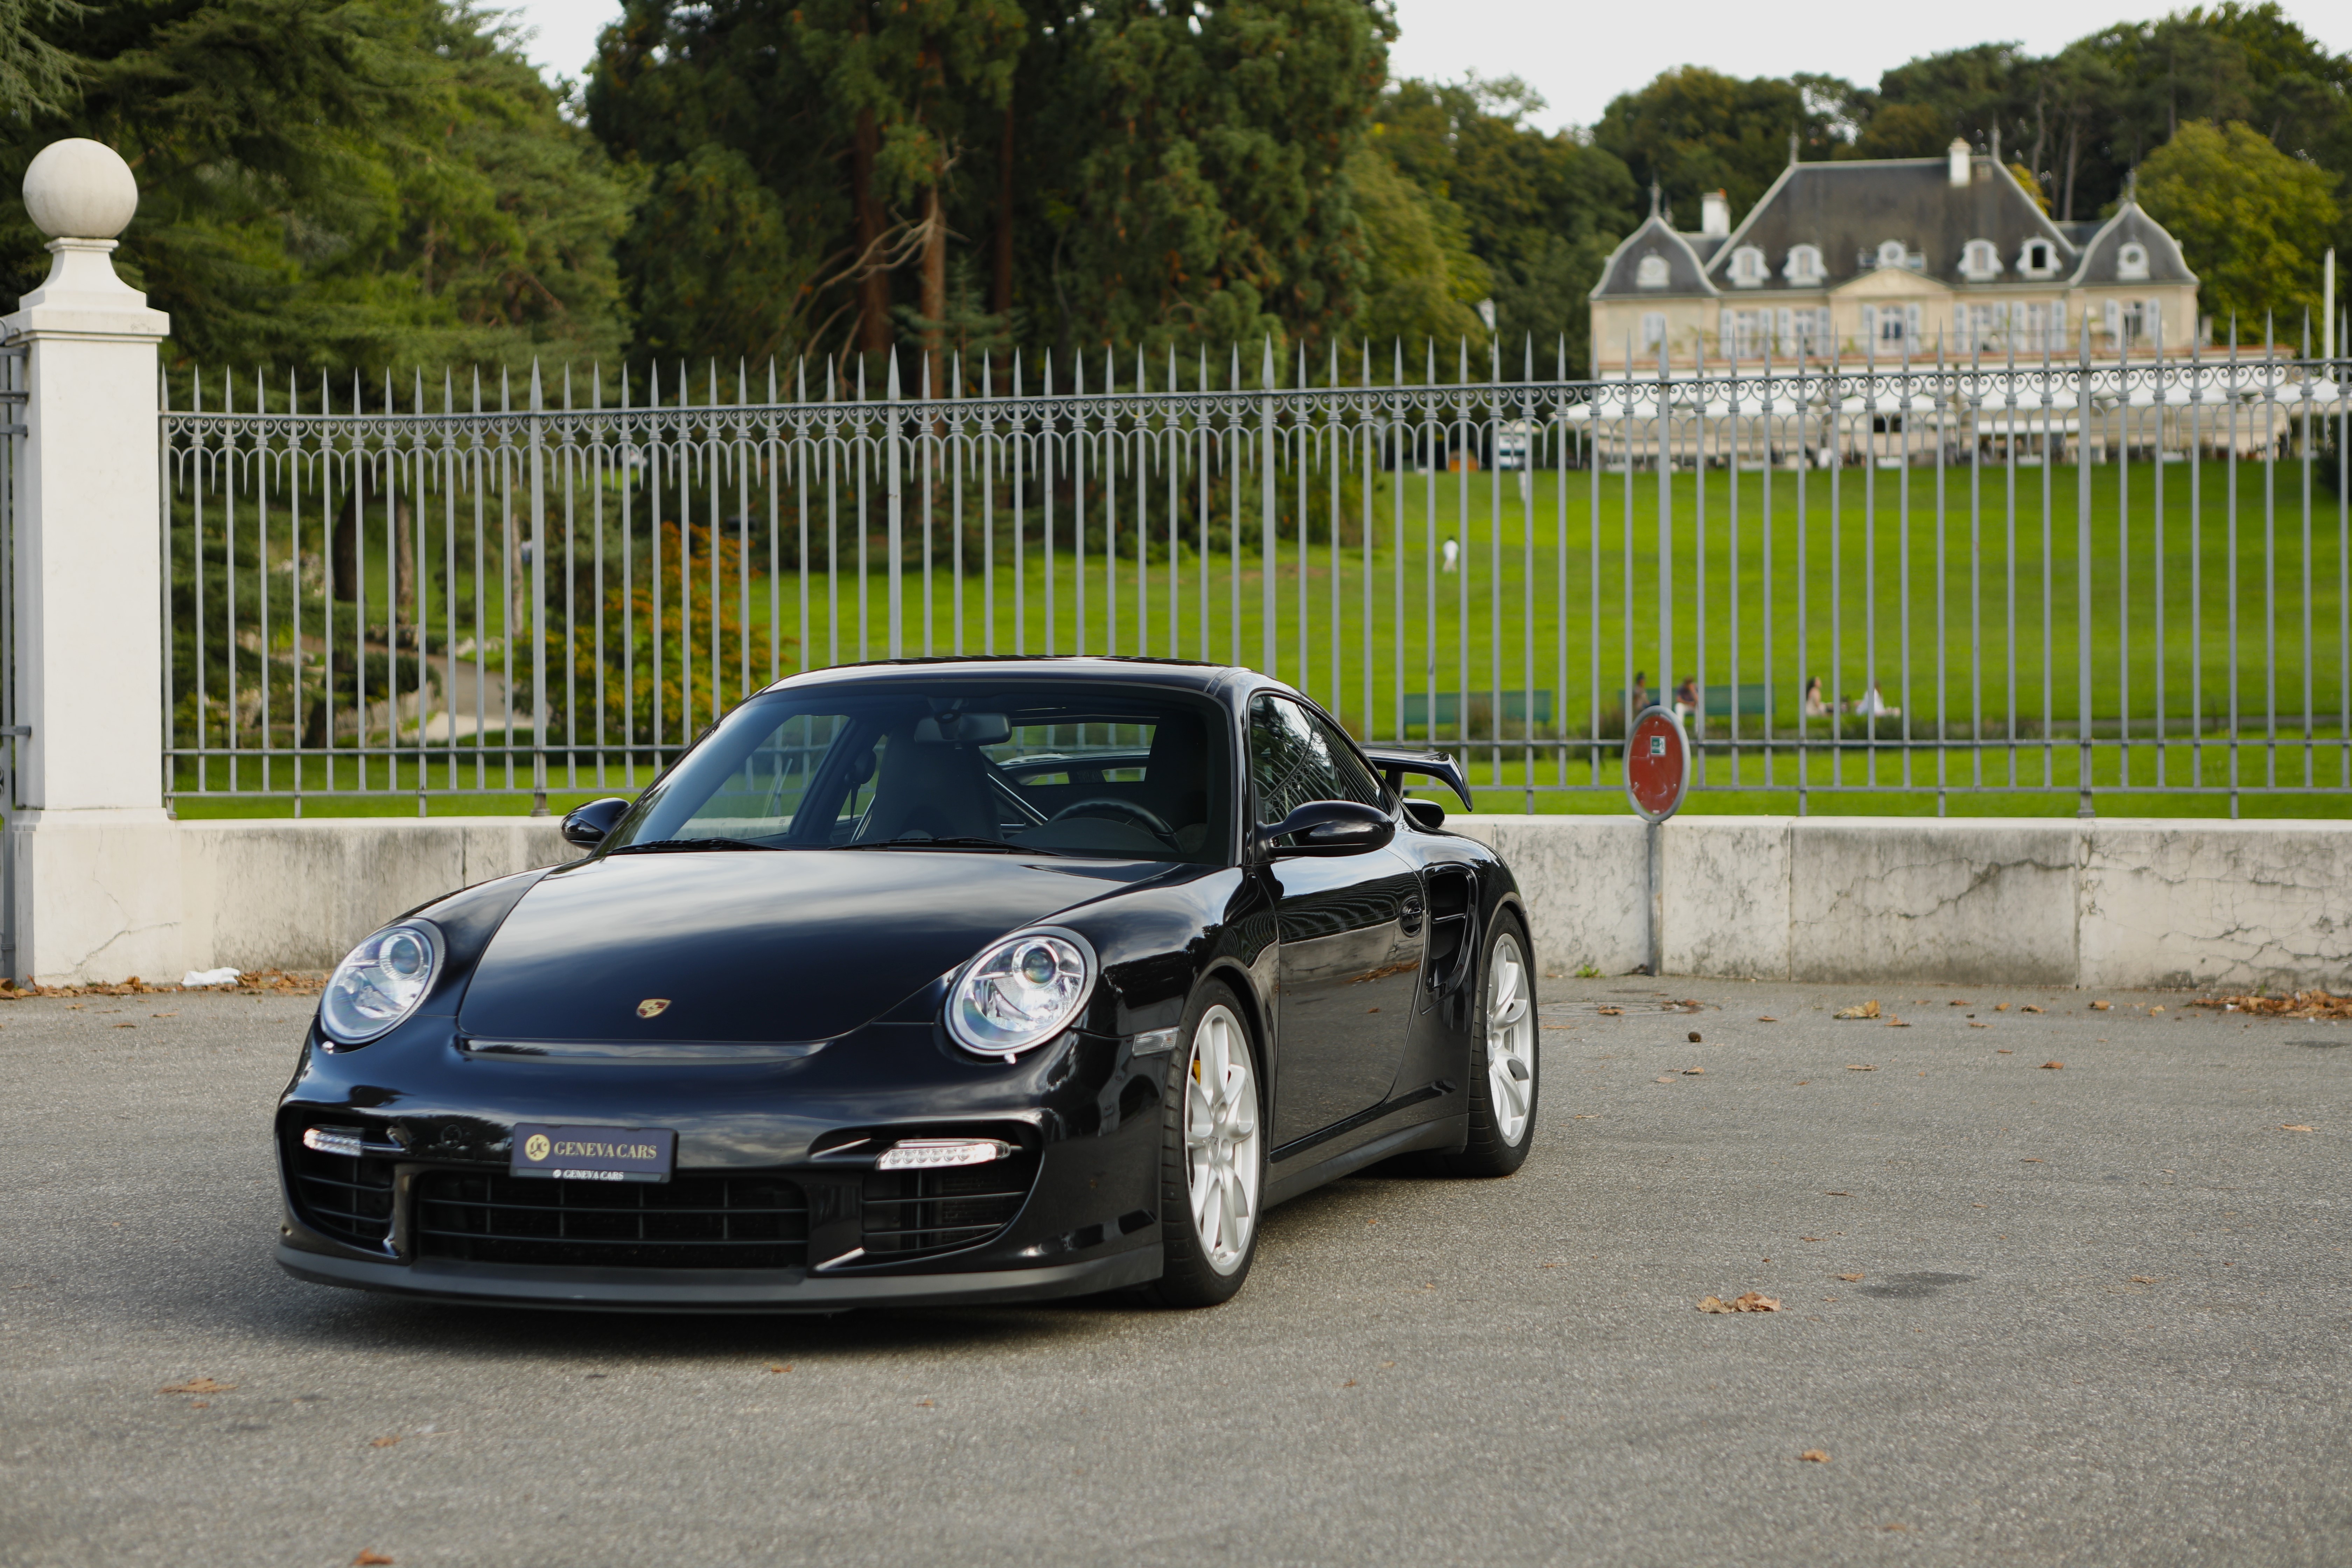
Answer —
2030 1313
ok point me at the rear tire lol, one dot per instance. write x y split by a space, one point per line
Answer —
1212 1156
1504 1083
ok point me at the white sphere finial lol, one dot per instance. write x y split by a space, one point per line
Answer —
80 189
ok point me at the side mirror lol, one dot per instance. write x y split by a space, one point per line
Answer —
1427 814
586 827
1329 828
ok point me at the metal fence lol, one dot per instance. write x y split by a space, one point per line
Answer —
2075 578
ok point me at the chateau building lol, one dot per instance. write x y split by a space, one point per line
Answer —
1892 258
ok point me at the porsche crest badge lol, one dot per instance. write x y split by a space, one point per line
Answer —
653 1006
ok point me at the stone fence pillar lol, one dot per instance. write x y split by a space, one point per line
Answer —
97 885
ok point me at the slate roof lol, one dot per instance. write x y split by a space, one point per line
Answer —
1686 269
1848 209
2165 262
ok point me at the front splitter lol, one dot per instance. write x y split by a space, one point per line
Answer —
656 1290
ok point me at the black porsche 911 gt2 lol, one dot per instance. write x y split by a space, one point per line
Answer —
945 981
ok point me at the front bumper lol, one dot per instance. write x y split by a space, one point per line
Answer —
711 1290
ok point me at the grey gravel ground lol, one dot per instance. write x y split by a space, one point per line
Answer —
2098 1319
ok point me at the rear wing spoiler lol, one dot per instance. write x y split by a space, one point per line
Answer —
1447 770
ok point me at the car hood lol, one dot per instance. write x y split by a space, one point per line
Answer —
790 945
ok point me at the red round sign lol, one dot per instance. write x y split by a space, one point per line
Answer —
1657 763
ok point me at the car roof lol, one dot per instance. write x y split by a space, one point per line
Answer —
1181 674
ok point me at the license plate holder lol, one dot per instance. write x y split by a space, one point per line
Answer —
551 1152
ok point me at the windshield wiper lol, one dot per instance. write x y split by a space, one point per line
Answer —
668 846
1002 845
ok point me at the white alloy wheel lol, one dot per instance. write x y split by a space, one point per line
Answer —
1221 1139
1510 1040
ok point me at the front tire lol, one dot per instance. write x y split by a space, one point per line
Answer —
1212 1156
1503 1060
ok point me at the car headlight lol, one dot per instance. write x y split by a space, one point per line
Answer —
1021 992
380 982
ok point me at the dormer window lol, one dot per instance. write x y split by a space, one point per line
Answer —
2131 262
1804 266
1653 273
1980 261
1748 268
1891 252
2038 259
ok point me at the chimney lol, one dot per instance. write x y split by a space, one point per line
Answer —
1714 214
1959 156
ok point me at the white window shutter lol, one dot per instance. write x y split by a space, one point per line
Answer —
1870 323
1911 325
2115 318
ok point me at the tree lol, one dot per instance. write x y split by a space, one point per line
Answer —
852 116
1694 130
1541 211
2250 220
1205 189
1424 281
327 183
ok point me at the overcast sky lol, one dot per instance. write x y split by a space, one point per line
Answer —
1579 57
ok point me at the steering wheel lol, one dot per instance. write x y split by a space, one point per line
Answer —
1143 813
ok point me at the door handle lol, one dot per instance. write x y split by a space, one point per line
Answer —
1410 919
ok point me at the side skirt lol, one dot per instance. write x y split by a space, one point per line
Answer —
1444 1133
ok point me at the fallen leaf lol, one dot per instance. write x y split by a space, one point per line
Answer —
2001 1008
371 1560
1611 1012
1974 1025
773 1366
2144 1278
1754 1301
1668 1078
1387 1364
1713 1304
1815 1456
126 1025
2292 1127
198 1385
1896 1024
1857 1066
2029 1007
1803 1081
1349 1383
1837 1195
1767 1020
2031 1159
1850 1279
1693 1072
1893 1527
1694 1038
2101 1007
2000 1051
383 1442
922 1403
1867 1010
2052 1066
1809 1238
2157 1008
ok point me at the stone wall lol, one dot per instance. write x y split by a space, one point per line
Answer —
2054 902
2111 902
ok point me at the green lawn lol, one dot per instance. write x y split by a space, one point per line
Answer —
1956 594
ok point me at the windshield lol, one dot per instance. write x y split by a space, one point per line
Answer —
1076 769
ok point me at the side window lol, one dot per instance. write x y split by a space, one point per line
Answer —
1295 757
